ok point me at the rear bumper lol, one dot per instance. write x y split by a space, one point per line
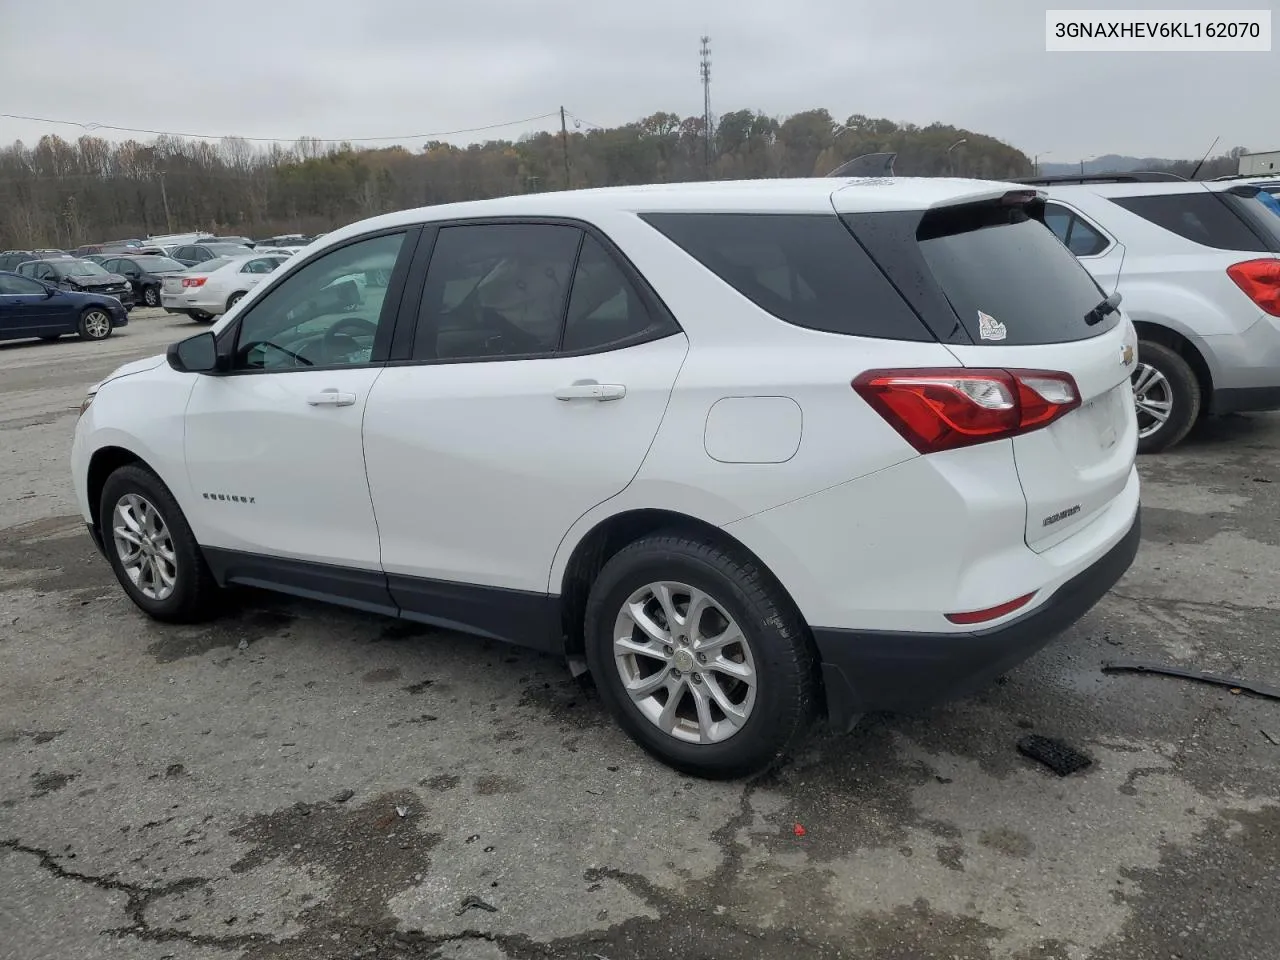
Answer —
884 670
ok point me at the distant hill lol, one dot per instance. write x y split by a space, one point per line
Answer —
1218 166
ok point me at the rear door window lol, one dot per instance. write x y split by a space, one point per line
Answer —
1204 218
806 269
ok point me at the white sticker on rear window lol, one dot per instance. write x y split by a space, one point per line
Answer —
989 328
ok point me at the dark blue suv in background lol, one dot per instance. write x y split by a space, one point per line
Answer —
30 308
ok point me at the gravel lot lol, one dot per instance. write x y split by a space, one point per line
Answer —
297 781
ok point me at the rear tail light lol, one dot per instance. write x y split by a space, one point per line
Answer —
193 281
1260 280
942 409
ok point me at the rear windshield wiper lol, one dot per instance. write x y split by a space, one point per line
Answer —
1099 313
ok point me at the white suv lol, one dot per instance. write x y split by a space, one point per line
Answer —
751 451
1198 265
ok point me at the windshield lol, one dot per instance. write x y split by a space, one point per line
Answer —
79 268
227 249
158 264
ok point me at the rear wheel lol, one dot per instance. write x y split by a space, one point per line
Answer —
151 548
151 296
94 324
199 316
700 656
1166 395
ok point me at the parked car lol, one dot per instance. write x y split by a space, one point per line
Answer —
10 259
215 286
70 273
298 240
146 273
242 241
748 450
193 254
1197 264
30 308
276 251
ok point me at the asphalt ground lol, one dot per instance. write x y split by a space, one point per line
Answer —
298 781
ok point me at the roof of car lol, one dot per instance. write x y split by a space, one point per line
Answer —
799 195
1168 188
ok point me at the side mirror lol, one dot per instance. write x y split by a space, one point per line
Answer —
49 292
198 354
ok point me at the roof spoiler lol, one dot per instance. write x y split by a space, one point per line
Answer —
867 165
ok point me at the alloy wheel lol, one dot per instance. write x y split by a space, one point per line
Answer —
684 662
97 324
145 547
1153 398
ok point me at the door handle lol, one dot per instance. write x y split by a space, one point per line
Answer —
591 390
331 398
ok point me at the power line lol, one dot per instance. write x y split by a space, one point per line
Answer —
90 127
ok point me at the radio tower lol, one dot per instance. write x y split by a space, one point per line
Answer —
706 100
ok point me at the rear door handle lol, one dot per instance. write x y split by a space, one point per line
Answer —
331 398
591 390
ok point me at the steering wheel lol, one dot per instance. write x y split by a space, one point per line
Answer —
357 325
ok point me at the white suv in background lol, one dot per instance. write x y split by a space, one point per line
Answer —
1198 266
751 451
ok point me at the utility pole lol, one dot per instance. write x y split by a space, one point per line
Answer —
706 100
164 196
564 139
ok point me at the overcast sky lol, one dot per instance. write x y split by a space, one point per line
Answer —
339 69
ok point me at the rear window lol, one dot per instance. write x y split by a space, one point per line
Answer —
805 269
1203 218
1008 279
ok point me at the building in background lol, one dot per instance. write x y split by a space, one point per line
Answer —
1259 164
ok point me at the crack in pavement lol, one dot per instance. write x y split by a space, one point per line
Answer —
139 898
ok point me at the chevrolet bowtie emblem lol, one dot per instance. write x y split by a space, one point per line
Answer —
1126 355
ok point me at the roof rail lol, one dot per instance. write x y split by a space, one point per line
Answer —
1138 176
1249 176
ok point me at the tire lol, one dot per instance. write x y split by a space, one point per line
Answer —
234 299
1164 382
95 324
174 551
778 706
199 316
151 296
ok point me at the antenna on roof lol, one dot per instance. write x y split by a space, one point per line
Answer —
1205 157
867 165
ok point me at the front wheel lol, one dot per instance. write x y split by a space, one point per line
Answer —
700 656
234 299
95 324
1167 396
151 548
